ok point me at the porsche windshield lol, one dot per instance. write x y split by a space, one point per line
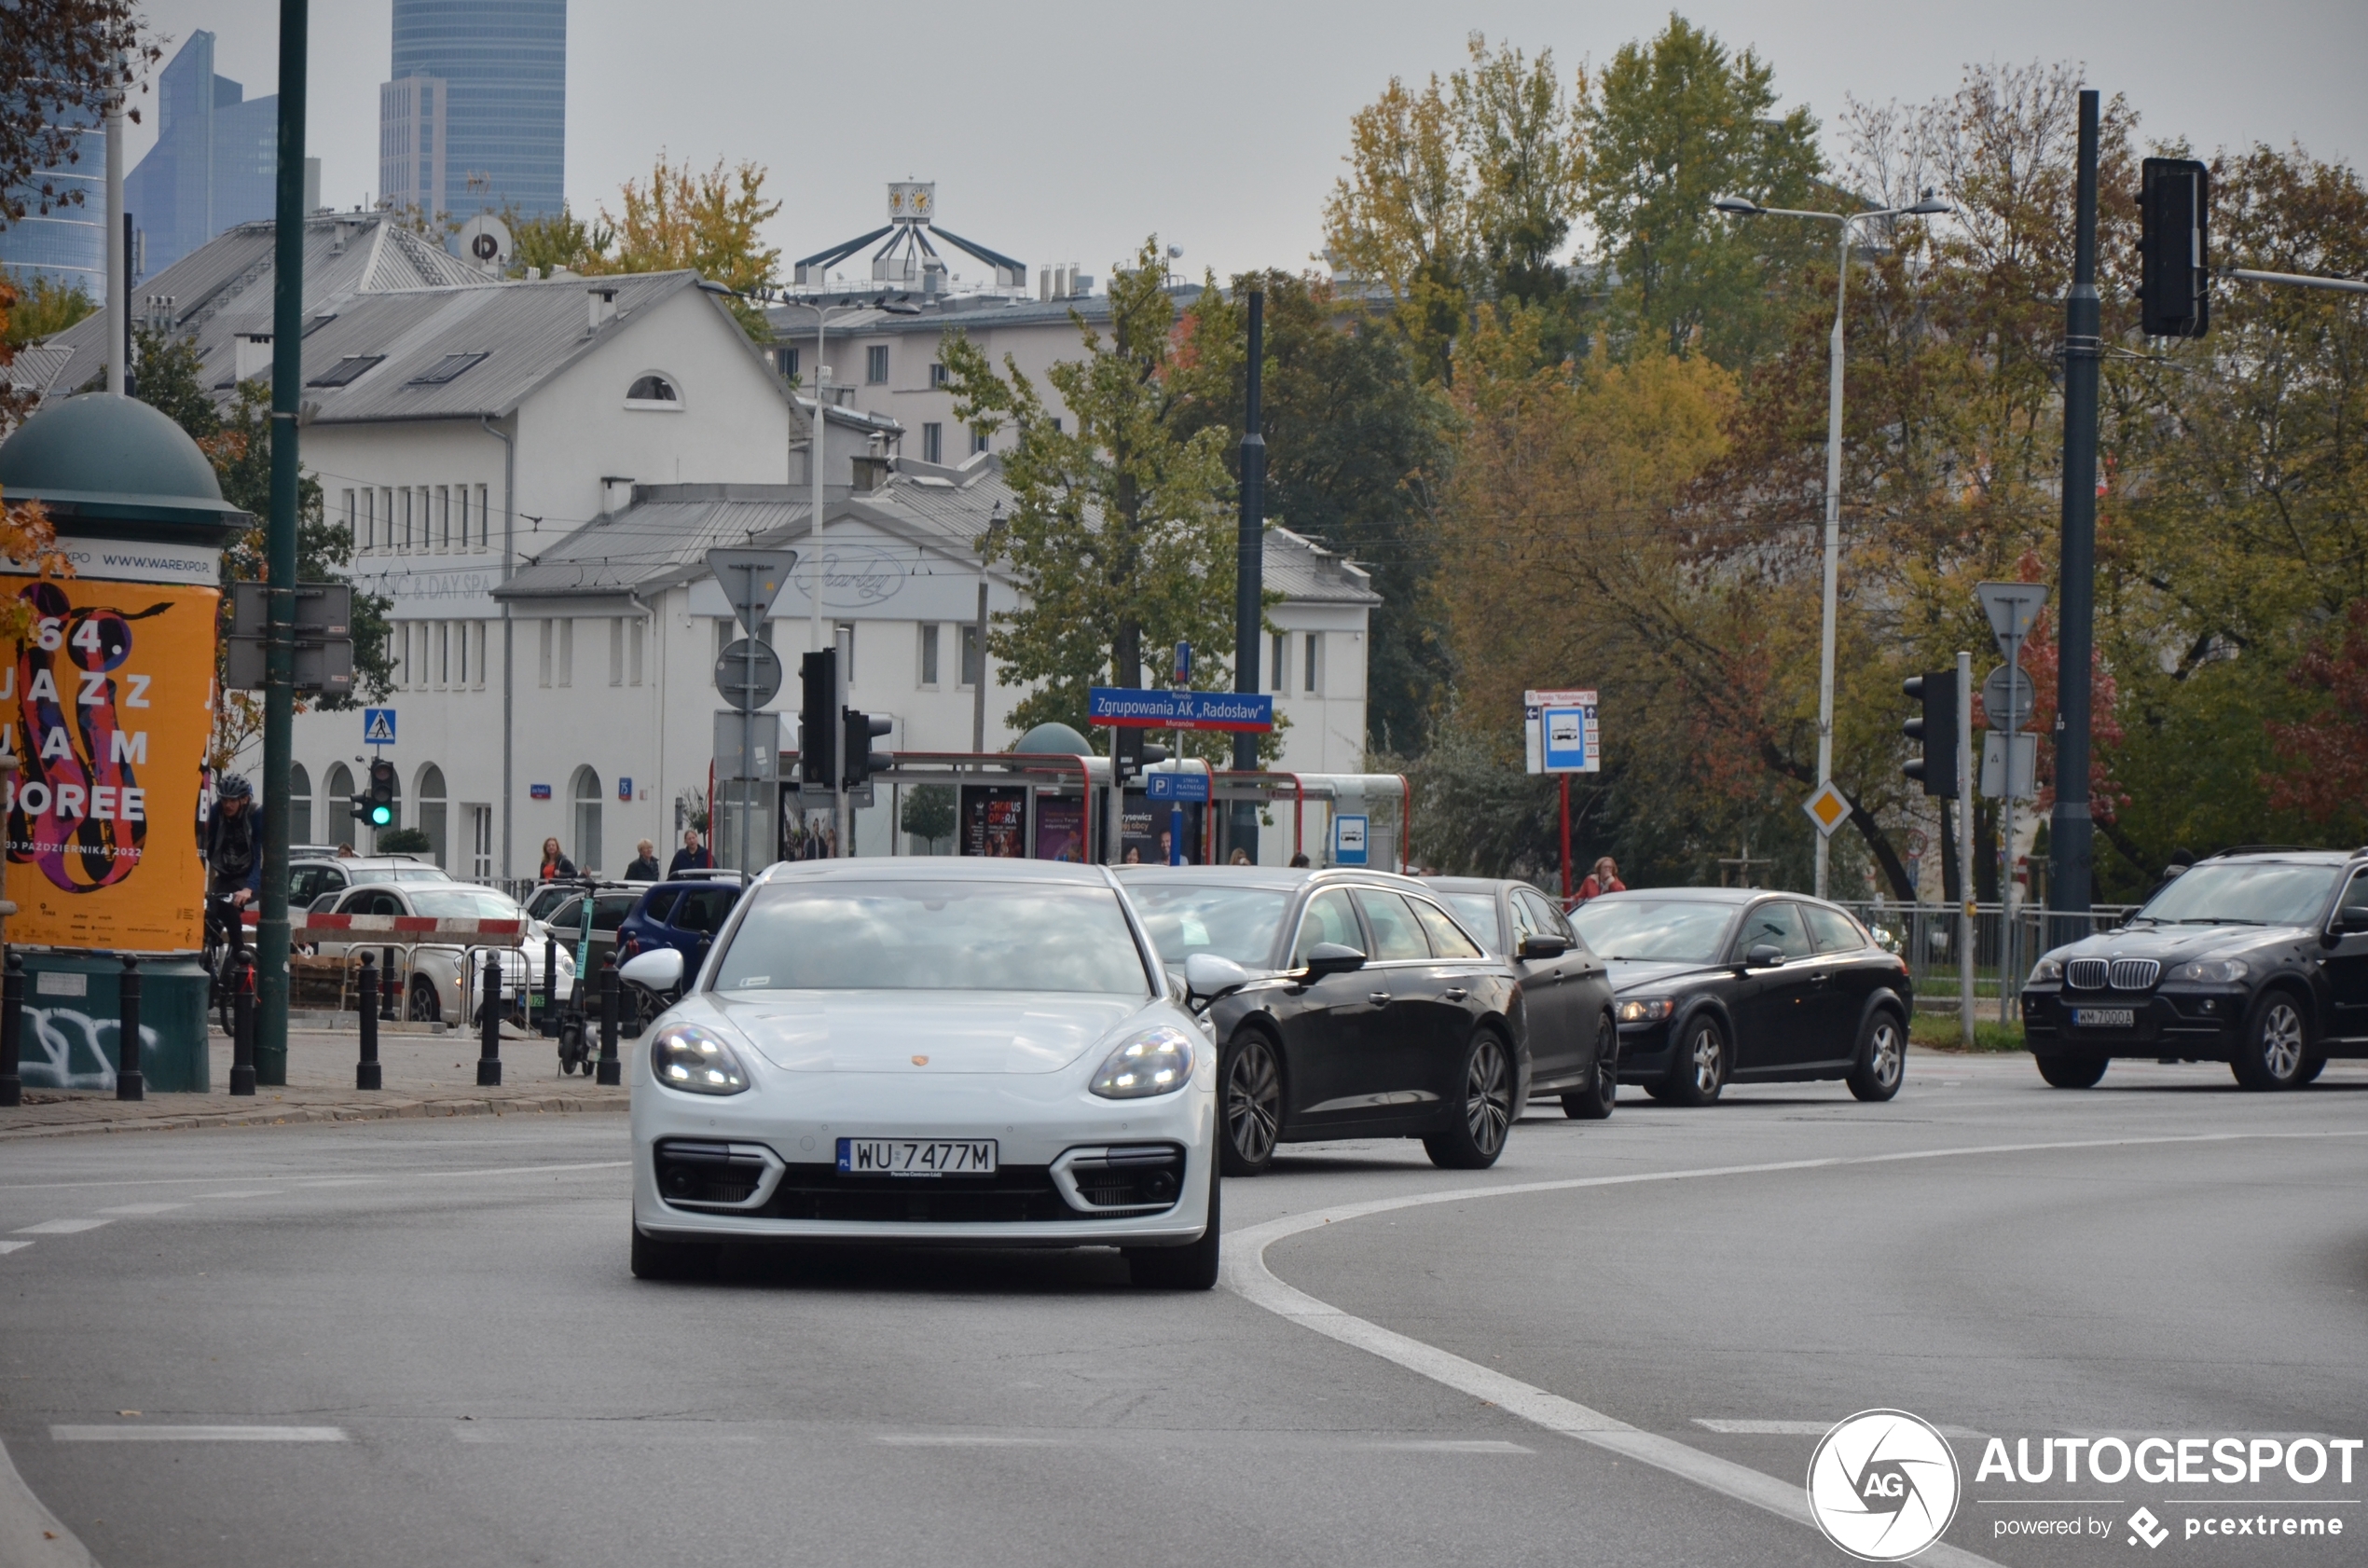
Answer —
2244 893
1662 931
897 935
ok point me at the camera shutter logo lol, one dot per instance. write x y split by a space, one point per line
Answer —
1883 1485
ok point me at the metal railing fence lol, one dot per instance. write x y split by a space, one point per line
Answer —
2004 947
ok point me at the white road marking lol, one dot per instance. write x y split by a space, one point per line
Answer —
62 1226
198 1434
143 1209
1450 1445
1246 1275
7 1248
1806 1429
964 1441
249 1192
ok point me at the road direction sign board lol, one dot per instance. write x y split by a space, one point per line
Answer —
2011 607
1560 732
2005 682
1176 786
1349 831
753 580
741 658
1827 808
377 726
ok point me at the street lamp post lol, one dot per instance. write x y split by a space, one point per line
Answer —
1743 207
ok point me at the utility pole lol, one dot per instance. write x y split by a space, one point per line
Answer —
279 691
1249 574
2072 835
119 255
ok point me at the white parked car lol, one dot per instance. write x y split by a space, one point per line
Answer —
929 1051
433 970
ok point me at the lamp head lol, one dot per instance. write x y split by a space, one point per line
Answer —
1740 206
1930 207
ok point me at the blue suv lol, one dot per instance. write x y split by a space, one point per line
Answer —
683 915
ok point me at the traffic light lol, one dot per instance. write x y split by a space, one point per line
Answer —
1134 751
2174 207
818 733
1937 769
377 806
856 747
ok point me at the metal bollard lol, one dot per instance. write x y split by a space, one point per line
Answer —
243 1024
550 984
130 1083
389 992
12 1019
612 1070
490 1051
366 1072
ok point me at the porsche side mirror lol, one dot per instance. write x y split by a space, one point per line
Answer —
1207 977
658 969
1542 944
1330 957
1763 956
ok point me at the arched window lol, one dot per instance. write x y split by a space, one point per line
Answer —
336 801
653 390
585 792
431 791
300 804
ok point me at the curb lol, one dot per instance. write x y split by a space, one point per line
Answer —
294 1115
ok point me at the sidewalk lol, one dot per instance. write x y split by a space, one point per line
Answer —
425 1075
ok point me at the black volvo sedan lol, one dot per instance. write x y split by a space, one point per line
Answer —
1355 1007
1574 1044
2255 957
1719 984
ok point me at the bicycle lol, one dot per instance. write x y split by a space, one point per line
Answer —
222 957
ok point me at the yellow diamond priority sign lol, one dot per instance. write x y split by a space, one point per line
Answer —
1827 808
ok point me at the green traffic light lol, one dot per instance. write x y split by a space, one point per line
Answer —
381 816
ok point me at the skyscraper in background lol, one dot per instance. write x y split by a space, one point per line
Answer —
68 244
474 118
214 164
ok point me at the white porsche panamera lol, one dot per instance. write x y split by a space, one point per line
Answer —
931 1052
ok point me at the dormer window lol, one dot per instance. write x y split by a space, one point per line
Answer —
654 391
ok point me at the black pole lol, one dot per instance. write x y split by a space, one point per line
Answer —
241 1022
389 992
278 676
611 1072
131 387
1249 570
11 1020
2072 835
130 1083
550 1010
366 1072
490 1032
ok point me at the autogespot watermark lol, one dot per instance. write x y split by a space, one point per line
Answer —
1883 1485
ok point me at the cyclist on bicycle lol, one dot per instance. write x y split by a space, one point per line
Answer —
233 851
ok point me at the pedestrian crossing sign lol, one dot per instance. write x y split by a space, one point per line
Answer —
1827 808
377 726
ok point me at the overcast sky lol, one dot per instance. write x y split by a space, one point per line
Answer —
1059 130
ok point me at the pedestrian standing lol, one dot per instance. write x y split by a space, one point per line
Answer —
645 864
555 865
1603 879
691 857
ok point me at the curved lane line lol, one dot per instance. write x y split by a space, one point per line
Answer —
1246 1275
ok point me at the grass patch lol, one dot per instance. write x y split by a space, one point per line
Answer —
1939 1031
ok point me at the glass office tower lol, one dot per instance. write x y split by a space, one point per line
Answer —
495 125
68 244
215 162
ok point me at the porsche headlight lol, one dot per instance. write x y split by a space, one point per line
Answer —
1646 1010
2047 972
2214 971
690 1056
1154 1061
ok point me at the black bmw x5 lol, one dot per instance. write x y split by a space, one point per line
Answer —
2255 957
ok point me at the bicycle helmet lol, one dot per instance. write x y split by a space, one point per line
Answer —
233 787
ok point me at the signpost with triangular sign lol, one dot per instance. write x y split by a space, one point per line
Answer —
751 674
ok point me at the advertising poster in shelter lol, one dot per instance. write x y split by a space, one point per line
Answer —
107 704
1060 828
1145 832
995 821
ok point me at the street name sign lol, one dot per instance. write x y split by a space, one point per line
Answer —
1144 709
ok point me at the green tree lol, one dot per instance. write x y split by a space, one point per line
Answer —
558 238
1121 530
706 220
1354 447
238 440
41 307
1671 124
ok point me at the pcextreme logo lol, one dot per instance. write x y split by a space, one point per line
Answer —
1883 1485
